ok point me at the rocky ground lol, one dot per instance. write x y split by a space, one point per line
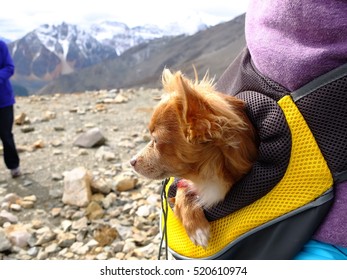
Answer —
114 214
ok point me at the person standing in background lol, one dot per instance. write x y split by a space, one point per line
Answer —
7 101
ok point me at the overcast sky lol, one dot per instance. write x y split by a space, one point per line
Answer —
21 16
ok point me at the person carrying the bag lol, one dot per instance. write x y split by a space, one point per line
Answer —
293 42
7 101
292 75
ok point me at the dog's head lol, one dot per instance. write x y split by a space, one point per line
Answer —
191 125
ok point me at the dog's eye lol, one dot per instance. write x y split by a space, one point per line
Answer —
153 142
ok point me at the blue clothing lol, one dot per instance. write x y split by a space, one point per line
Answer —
316 250
6 71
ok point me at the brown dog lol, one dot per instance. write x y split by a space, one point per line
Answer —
202 136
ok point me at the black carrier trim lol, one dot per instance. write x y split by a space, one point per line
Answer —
320 82
279 239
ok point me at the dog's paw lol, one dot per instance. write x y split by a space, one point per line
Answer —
192 216
200 237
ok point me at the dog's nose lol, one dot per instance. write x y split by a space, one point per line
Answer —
133 161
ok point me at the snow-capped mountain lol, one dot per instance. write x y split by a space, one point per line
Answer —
69 42
121 37
50 51
54 50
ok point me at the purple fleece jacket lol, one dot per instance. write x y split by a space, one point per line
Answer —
292 42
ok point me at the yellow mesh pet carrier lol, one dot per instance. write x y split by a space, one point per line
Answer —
295 190
275 209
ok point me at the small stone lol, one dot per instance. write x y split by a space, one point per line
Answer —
105 153
26 204
20 119
80 224
27 129
33 251
66 225
125 183
145 251
94 211
32 198
9 217
144 211
36 224
129 246
49 115
103 256
57 152
39 144
109 200
79 248
105 235
27 183
66 239
57 177
120 256
15 207
52 248
56 143
118 246
42 255
46 237
100 185
11 198
59 128
55 212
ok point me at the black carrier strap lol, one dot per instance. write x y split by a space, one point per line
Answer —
320 82
323 103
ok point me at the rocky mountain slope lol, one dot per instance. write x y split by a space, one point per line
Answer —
119 217
121 37
210 50
53 50
106 55
50 51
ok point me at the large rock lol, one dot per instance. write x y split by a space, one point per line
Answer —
18 235
91 138
77 190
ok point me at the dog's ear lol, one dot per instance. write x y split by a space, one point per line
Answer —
194 109
188 102
206 114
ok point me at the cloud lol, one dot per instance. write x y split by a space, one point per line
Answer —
28 15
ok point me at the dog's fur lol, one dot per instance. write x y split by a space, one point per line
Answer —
202 136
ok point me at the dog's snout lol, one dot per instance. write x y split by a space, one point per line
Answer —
133 161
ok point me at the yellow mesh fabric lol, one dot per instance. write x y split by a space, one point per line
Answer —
306 178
